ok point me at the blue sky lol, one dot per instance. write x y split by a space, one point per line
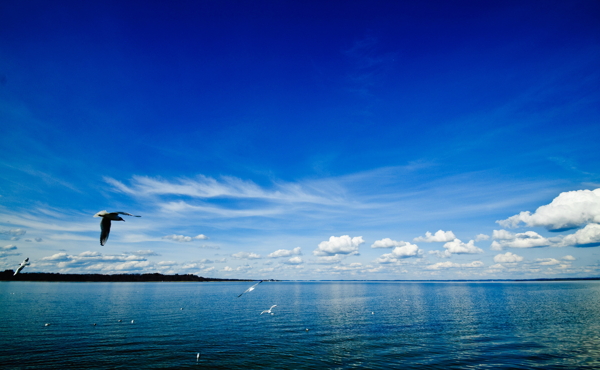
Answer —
302 139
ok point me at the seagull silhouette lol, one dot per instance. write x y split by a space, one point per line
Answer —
250 289
269 310
22 266
105 223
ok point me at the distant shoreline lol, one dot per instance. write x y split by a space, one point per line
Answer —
7 275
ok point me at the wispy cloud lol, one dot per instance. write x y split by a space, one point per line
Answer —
204 187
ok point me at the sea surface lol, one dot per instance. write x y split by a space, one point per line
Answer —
316 325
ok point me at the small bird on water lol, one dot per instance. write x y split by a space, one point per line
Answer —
107 217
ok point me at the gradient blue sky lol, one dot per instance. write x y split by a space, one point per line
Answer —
302 139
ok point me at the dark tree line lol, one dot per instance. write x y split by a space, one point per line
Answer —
46 276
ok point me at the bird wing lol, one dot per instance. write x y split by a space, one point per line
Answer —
126 214
104 230
250 289
101 213
272 307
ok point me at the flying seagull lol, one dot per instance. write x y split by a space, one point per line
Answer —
250 289
269 310
22 266
105 223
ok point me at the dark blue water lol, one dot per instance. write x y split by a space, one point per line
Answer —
369 325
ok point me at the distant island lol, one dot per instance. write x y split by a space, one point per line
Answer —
7 275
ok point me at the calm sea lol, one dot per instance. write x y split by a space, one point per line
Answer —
365 325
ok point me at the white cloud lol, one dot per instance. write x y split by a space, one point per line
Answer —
502 235
339 245
569 258
226 187
528 239
442 265
294 261
285 253
588 236
185 239
439 236
495 246
245 255
548 261
388 243
568 210
405 251
481 237
449 264
458 247
474 264
328 260
507 257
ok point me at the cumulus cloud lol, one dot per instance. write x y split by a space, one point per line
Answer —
502 235
185 239
285 253
507 257
439 236
245 255
339 245
567 211
589 236
405 251
481 237
458 247
569 258
294 261
528 239
387 243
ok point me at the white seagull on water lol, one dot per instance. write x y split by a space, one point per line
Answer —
269 310
22 266
250 289
105 223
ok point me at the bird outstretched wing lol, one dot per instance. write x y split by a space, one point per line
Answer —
104 230
250 289
126 214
